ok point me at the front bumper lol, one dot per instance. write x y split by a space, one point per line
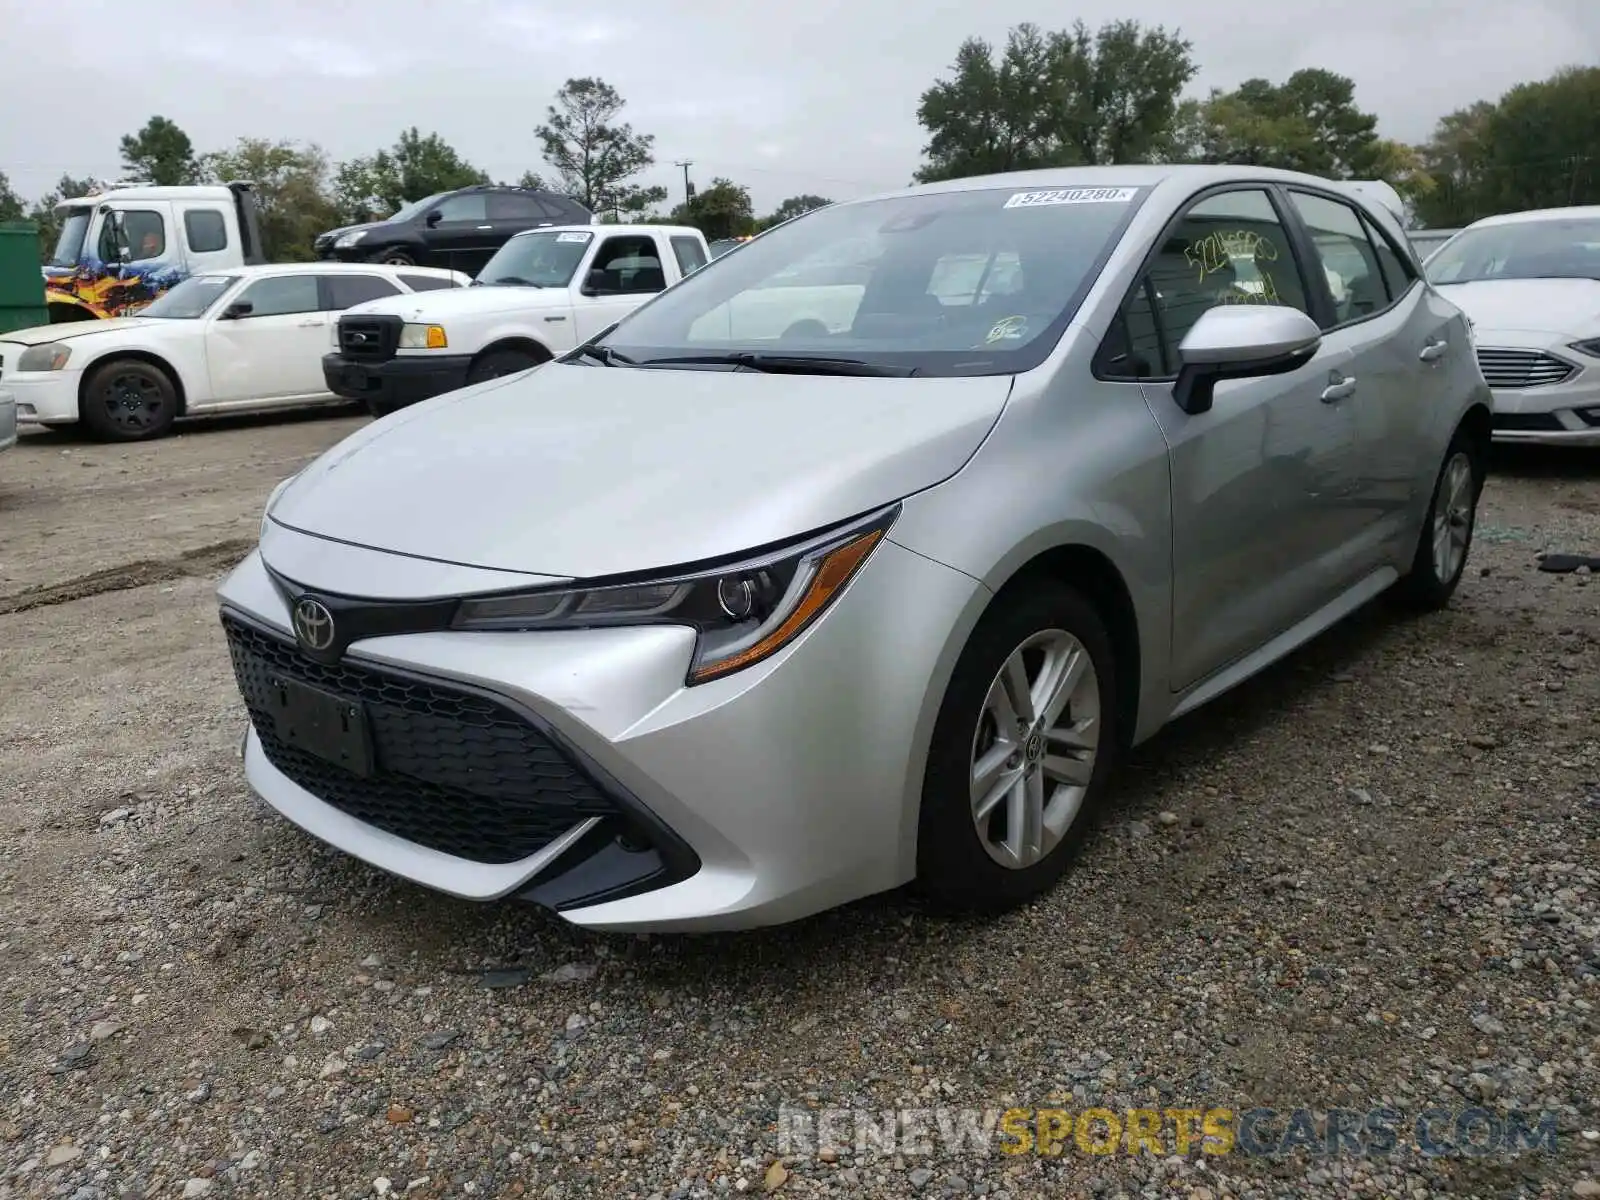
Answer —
44 397
1560 414
400 381
793 785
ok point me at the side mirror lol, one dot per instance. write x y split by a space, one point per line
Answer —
594 284
1241 341
433 218
239 308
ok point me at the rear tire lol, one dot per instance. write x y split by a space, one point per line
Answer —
1006 799
1446 539
498 363
128 400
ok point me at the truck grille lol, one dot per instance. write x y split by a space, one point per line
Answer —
1510 369
453 770
369 339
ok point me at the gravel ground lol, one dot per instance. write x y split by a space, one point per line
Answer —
1370 877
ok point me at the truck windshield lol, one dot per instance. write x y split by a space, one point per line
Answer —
965 282
191 298
69 245
543 259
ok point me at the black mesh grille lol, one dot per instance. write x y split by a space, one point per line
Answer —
369 339
1527 422
453 771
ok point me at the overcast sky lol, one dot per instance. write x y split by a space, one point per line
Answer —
817 96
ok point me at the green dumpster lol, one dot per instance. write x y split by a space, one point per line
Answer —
22 303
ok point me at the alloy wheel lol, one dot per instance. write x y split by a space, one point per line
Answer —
1452 518
1034 751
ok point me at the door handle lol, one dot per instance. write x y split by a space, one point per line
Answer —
1339 389
1434 351
485 226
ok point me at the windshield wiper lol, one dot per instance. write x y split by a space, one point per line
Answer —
604 355
785 364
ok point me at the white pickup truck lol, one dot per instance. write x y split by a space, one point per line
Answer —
543 293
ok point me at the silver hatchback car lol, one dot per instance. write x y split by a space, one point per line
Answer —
859 556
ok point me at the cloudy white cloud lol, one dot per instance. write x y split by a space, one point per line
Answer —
814 97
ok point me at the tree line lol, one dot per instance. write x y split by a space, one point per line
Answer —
589 153
1045 98
1115 95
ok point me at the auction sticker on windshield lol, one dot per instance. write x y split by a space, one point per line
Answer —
572 237
1071 196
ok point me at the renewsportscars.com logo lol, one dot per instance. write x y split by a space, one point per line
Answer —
1255 1132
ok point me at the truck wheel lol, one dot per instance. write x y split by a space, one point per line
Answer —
501 362
128 400
393 258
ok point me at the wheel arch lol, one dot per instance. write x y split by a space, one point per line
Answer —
63 310
148 357
522 342
1077 564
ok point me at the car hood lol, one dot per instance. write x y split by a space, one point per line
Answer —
344 229
443 303
1564 306
581 472
40 334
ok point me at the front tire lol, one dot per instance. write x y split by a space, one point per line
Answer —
498 363
1446 538
393 258
128 400
1022 747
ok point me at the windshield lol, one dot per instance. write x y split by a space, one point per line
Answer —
69 245
1565 248
544 259
191 298
941 283
416 206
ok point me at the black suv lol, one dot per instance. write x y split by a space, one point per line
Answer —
457 230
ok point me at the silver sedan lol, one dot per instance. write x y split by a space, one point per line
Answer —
860 556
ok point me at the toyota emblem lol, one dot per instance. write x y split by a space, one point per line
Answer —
313 624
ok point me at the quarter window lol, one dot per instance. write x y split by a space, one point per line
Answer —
1230 248
690 255
1397 273
205 230
280 295
1346 256
428 283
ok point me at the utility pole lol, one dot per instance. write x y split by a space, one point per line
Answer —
688 188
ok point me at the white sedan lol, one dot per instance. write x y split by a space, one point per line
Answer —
240 340
1530 282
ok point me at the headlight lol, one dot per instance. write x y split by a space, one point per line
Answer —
423 337
346 240
272 498
741 613
1591 348
51 356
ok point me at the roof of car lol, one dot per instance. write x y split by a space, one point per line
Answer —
597 227
1195 175
1587 212
331 268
